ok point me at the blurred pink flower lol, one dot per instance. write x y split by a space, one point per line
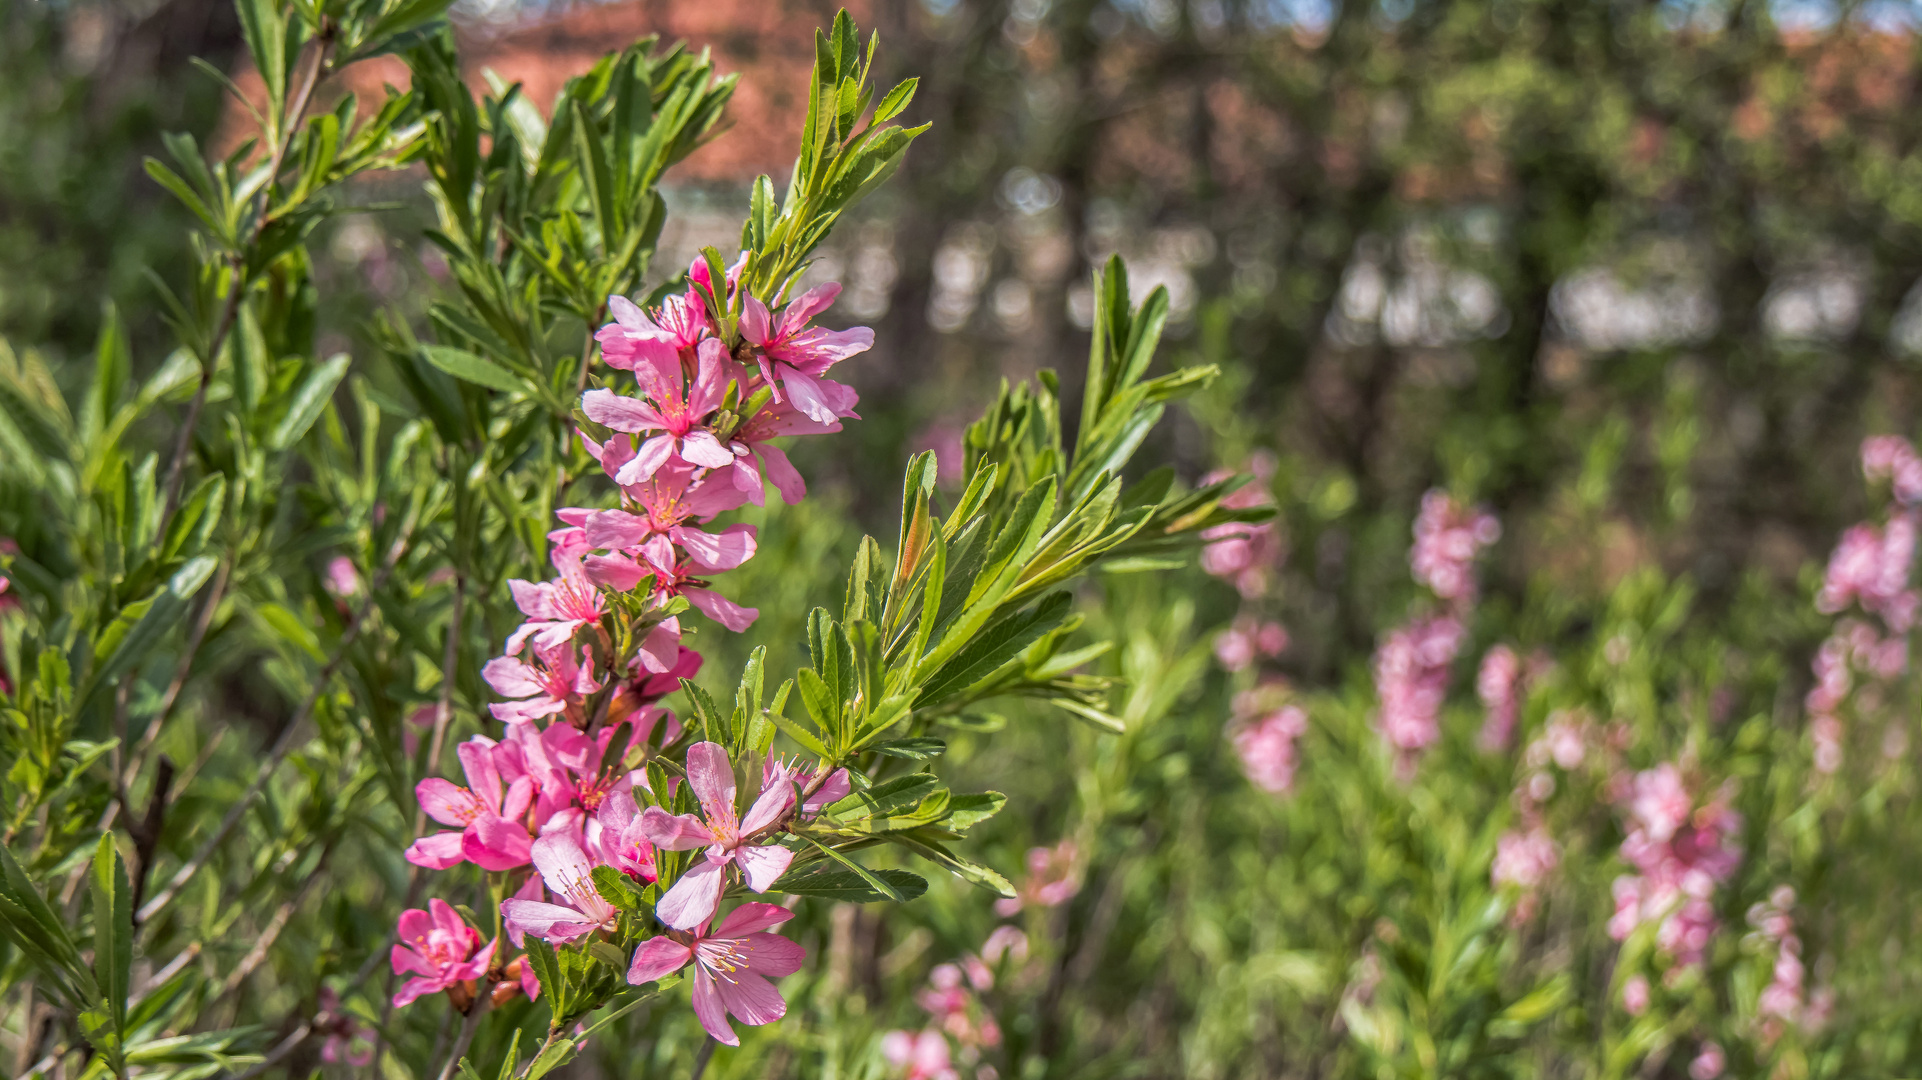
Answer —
1411 679
1447 538
1054 877
439 949
1892 458
1524 859
1266 746
920 1055
1871 566
341 579
1005 941
692 900
345 1040
1681 853
732 966
1246 639
1708 1063
1240 552
1635 995
1497 684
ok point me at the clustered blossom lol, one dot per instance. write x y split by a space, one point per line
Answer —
562 791
1448 536
1247 639
1870 569
1263 733
1411 664
1783 1002
955 1010
1498 685
1680 853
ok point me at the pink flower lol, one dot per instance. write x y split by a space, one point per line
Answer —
774 420
920 1055
1054 877
1660 803
1245 639
1635 995
439 949
552 684
1266 746
556 610
799 354
1008 941
1497 684
697 893
799 777
1891 458
342 579
1524 859
569 874
673 497
676 413
617 839
732 966
1708 1063
491 835
1870 566
1411 678
633 339
684 572
1447 538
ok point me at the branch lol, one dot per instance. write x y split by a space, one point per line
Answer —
482 1002
282 746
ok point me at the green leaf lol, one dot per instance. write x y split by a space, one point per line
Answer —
967 811
33 928
112 948
616 888
932 849
820 880
895 100
919 748
886 889
468 367
998 644
309 399
139 627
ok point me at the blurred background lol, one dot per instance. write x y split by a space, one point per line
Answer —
1636 277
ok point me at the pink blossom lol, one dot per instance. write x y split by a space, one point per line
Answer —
1681 855
617 839
1447 538
1245 639
1497 685
732 966
1524 859
919 1055
1005 941
1411 679
1870 566
491 835
799 777
797 353
684 572
695 895
556 610
439 949
552 684
569 874
1660 803
1892 458
341 580
1566 741
772 421
1054 877
1635 995
675 409
633 339
1708 1063
1266 746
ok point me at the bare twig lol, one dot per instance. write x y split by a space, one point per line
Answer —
701 1058
146 835
258 954
280 1051
482 1001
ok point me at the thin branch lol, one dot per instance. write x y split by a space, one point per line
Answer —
279 1052
258 954
282 746
482 1002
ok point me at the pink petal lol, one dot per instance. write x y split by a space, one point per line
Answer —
807 396
675 833
710 1010
520 712
617 529
752 999
647 461
414 924
721 609
693 898
436 852
414 988
483 773
520 795
492 843
710 382
702 448
808 305
772 802
535 601
617 572
832 790
715 552
617 811
751 917
785 477
511 678
712 777
754 321
658 957
445 802
628 315
763 865
620 412
446 918
549 922
661 649
773 955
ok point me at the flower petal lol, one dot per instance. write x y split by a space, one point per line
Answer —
721 609
675 833
549 922
446 802
436 852
751 998
693 898
710 1009
647 460
772 955
712 777
750 917
511 678
493 843
718 551
658 957
763 864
